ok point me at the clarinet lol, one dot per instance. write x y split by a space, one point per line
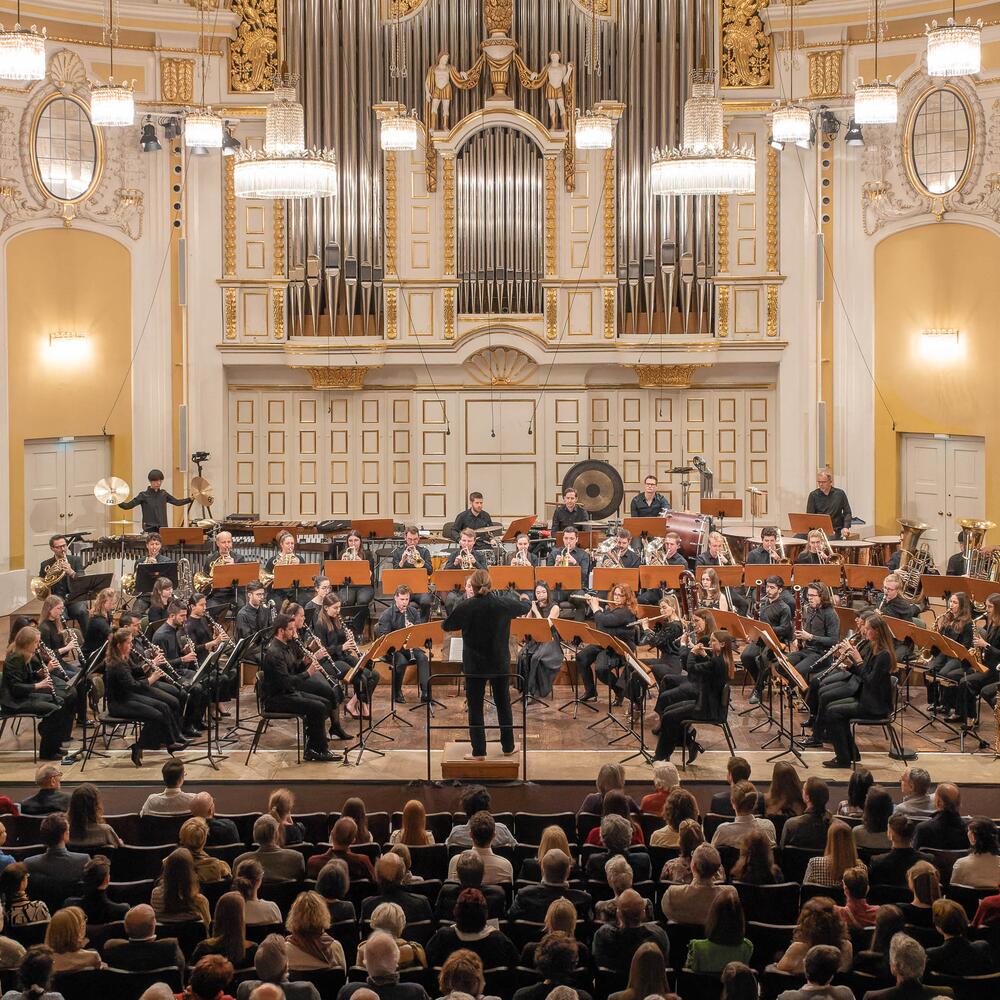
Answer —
307 654
165 668
54 664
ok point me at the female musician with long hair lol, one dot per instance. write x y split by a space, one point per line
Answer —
664 636
312 609
617 620
159 601
955 624
332 632
986 644
521 556
539 663
55 636
128 699
874 699
820 630
676 688
99 627
356 599
711 593
711 671
207 639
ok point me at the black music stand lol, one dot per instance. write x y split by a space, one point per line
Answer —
640 677
210 664
86 588
374 652
571 635
82 679
248 642
147 574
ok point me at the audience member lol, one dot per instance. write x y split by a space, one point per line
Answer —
334 884
86 819
891 868
249 876
810 828
18 907
341 838
665 779
618 873
532 901
839 854
924 882
556 958
915 786
496 869
66 936
48 798
739 982
615 943
209 979
403 852
476 799
194 836
744 801
680 805
724 940
857 912
389 872
221 829
34 976
469 871
561 917
616 803
354 808
616 833
280 805
907 960
873 834
228 935
389 918
611 777
756 861
5 858
874 961
173 800
818 923
784 796
472 931
279 863
988 912
857 790
690 904
57 871
94 901
946 830
462 976
737 770
679 869
309 945
980 868
647 974
413 826
271 965
553 839
177 895
957 955
820 966
141 949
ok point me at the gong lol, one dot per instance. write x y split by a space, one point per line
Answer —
598 486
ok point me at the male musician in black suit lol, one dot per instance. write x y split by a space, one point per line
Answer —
627 556
671 557
153 502
74 568
163 690
406 556
649 503
223 556
957 564
755 657
281 689
484 621
820 628
473 518
830 499
252 618
400 614
570 555
715 554
767 552
568 513
894 605
320 683
154 553
181 656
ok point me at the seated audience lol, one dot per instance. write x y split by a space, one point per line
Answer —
86 819
94 901
616 834
476 799
389 872
874 961
744 800
354 808
413 827
469 870
810 828
383 974
980 868
784 795
857 912
173 800
560 917
271 965
737 770
988 912
58 871
209 980
616 803
615 942
334 884
647 975
945 830
177 896
915 786
618 873
924 882
221 829
839 854
462 977
665 779
679 806
553 838
532 901
690 904
496 869
18 907
907 960
280 805
194 836
309 945
679 869
820 966
739 982
5 858
141 949
279 863
611 777
48 798
873 833
556 958
228 936
66 936
891 868
857 789
403 852
341 839
756 861
724 940
957 955
390 919
249 876
818 923
34 976
471 931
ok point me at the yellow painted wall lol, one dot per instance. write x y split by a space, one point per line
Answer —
937 276
66 279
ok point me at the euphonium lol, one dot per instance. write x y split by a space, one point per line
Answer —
350 555
608 555
652 552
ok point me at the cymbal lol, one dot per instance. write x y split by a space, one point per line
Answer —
111 491
121 521
207 522
201 491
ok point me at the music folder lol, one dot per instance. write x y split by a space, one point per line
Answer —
661 577
416 579
295 576
516 577
348 572
235 575
86 588
802 524
147 574
560 577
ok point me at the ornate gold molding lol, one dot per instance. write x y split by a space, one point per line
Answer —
176 80
391 215
500 366
722 322
723 223
825 73
278 312
391 314
499 16
609 211
279 237
449 314
337 376
551 312
229 215
400 8
745 56
602 8
609 314
253 54
665 376
229 305
772 311
449 215
772 210
550 216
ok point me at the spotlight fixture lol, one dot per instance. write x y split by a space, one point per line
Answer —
775 143
853 136
230 144
171 129
148 140
829 123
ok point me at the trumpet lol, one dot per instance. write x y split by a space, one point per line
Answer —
466 560
520 558
411 556
563 560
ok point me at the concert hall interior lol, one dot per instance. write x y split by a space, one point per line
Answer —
407 396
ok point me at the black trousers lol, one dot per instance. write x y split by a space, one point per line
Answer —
79 611
674 690
585 659
968 691
829 695
670 728
314 712
55 725
401 660
356 601
475 692
838 726
156 729
804 661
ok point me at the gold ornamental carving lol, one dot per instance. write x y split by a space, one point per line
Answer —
176 80
609 211
500 366
499 15
723 223
551 312
391 214
772 210
449 314
665 376
253 54
745 57
391 314
550 216
400 8
609 314
337 376
772 311
229 300
229 215
278 312
723 320
279 238
602 8
824 73
449 215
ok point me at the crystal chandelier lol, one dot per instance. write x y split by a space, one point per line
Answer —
285 168
594 130
954 49
203 129
112 103
791 122
22 51
876 103
399 133
703 165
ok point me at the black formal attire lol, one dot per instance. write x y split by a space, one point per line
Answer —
413 905
973 958
711 676
251 621
835 504
759 556
899 607
44 802
74 609
539 663
560 597
707 559
654 595
824 626
129 698
282 594
98 907
532 902
154 507
484 621
496 901
163 691
656 507
221 595
831 684
873 701
891 868
616 622
943 665
201 633
54 637
563 517
808 830
356 600
423 601
97 634
18 693
140 956
454 561
333 636
665 638
806 558
944 831
391 620
956 565
281 690
973 683
168 638
614 946
156 615
755 656
474 521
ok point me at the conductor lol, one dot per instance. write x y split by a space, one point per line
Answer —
484 621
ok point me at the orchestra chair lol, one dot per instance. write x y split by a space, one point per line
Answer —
13 716
266 717
720 723
106 728
887 725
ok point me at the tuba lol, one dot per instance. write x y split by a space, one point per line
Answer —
914 556
978 563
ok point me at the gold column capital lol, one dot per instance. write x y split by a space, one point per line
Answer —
665 376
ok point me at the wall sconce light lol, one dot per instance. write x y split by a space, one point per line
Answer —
940 345
66 345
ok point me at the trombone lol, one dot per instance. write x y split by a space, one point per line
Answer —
827 555
779 544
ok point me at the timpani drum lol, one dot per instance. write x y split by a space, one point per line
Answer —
692 530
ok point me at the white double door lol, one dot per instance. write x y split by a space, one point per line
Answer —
943 480
59 479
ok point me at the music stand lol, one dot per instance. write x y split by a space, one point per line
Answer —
519 526
446 580
425 635
209 663
517 578
721 508
802 524
234 576
789 680
416 579
645 527
732 623
388 649
560 577
349 572
752 572
644 676
572 635
86 588
372 654
866 579
729 576
146 575
585 539
541 631
666 577
805 574
267 534
608 577
291 577
373 528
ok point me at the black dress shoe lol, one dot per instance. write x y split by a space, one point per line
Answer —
589 696
321 756
619 699
399 699
337 732
812 742
136 752
694 748
191 733
837 763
